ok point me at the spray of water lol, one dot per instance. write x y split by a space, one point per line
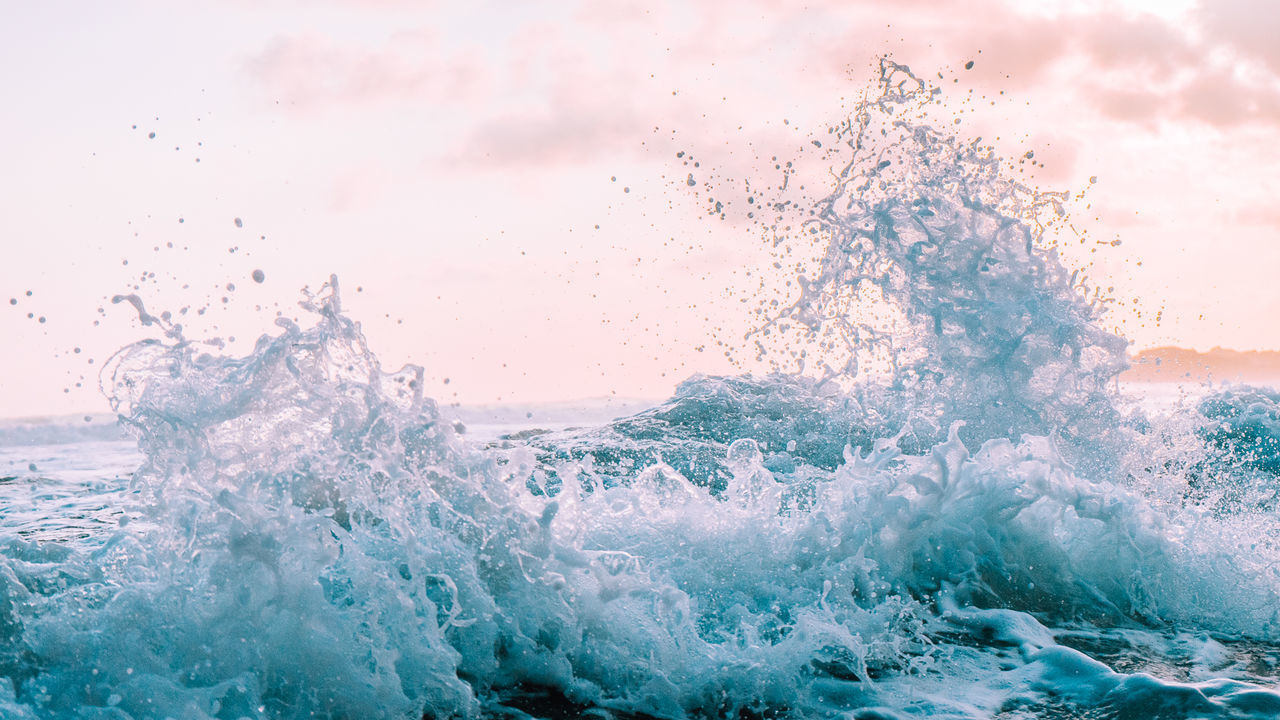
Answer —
314 537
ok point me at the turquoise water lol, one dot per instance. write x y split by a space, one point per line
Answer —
983 527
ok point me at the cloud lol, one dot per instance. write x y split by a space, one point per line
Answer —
564 134
1151 71
1134 67
1144 45
1220 98
566 96
1137 105
1261 215
312 71
1247 26
581 83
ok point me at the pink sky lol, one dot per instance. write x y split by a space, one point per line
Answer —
454 160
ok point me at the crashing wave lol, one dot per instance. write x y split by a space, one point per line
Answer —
315 537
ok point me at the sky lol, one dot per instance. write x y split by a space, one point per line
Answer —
497 185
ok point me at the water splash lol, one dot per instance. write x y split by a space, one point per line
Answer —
311 535
938 270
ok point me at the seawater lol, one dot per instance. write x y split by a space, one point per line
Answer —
983 527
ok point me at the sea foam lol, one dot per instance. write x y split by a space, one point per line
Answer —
983 531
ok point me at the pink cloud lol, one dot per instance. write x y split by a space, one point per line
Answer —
557 92
1151 71
1142 45
566 133
311 71
1248 26
1220 98
1140 68
1138 105
567 97
1264 215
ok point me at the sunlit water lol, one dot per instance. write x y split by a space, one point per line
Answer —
986 526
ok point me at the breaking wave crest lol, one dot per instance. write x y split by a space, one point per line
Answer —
983 530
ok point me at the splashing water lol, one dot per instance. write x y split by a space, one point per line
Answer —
980 533
939 267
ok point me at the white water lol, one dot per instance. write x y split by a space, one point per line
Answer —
989 531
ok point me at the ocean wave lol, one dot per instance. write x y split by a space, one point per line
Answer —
977 533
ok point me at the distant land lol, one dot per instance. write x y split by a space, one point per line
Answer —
1175 364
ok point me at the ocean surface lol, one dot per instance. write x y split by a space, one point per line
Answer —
939 503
